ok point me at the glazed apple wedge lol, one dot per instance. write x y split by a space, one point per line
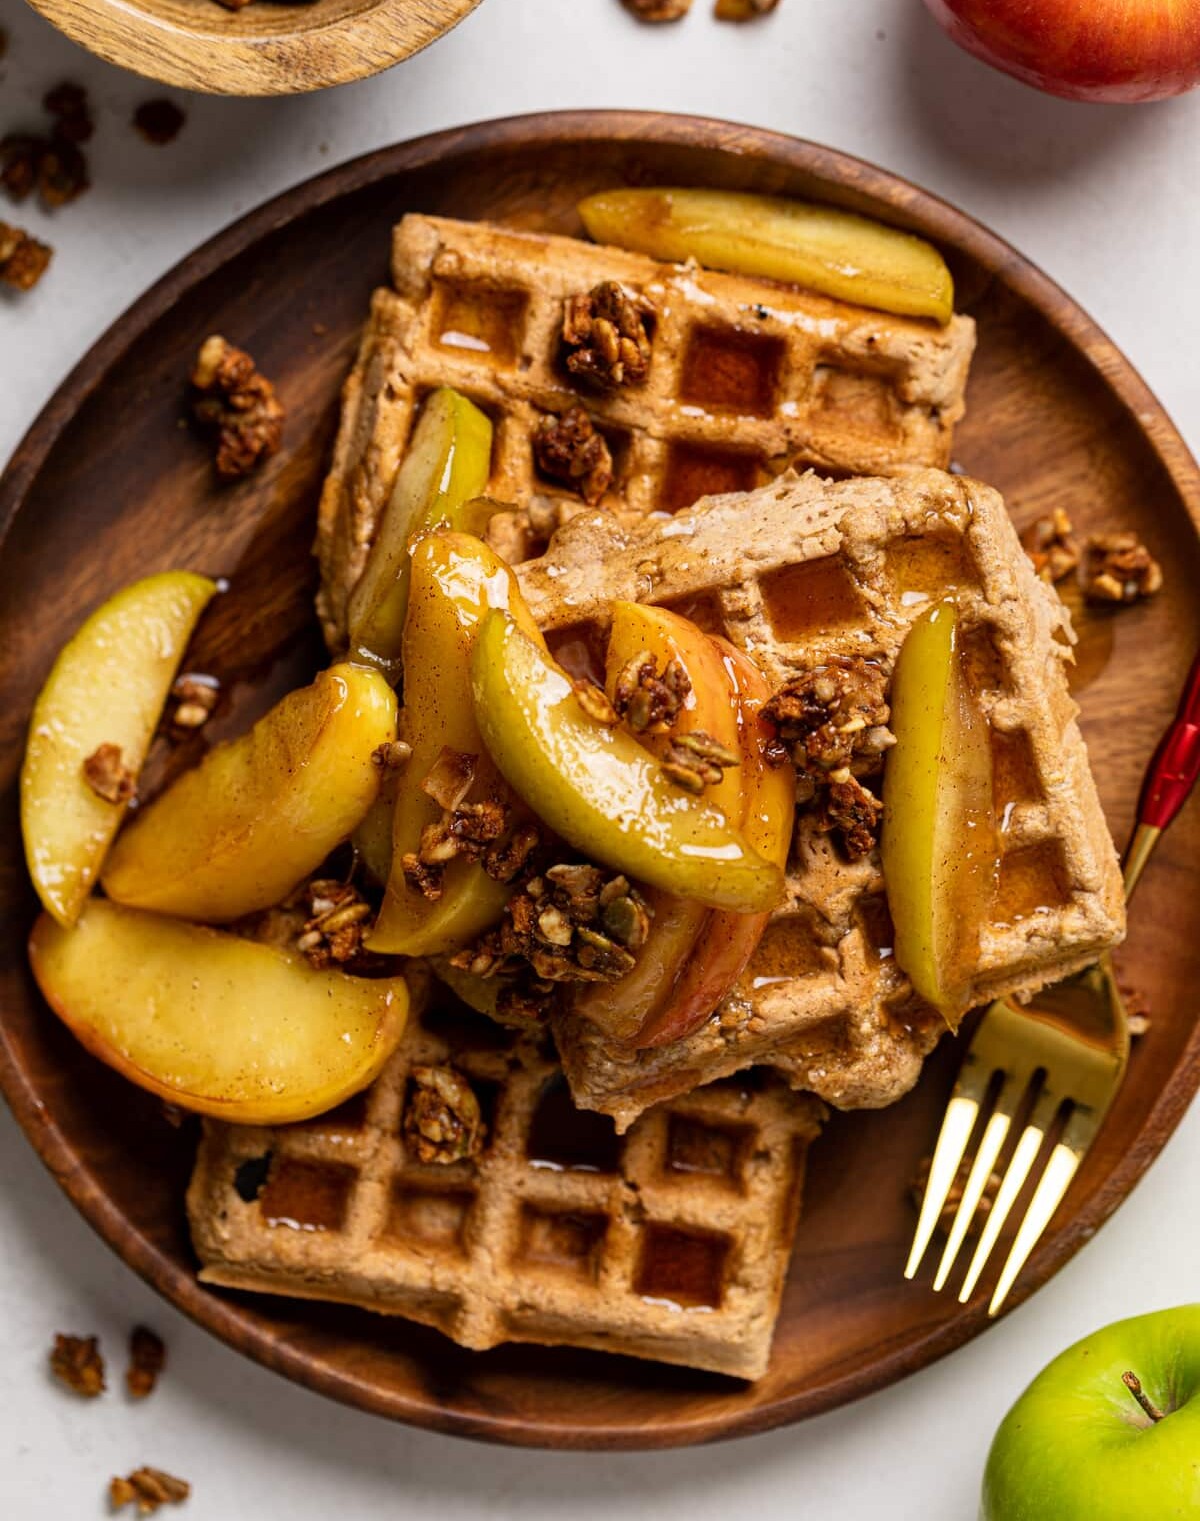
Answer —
600 789
834 252
107 687
939 845
214 1023
260 813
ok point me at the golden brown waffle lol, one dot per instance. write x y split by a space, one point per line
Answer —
793 574
746 377
671 1243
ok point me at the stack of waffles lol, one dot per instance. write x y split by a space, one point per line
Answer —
649 1207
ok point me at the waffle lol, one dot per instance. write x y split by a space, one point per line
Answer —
670 1244
793 574
746 377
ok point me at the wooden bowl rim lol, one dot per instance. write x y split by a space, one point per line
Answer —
246 64
910 205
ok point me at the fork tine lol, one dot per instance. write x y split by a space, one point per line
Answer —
990 1147
961 1114
1019 1168
1060 1169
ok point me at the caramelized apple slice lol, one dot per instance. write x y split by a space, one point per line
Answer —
212 1022
260 813
600 789
939 843
834 252
456 579
445 468
107 687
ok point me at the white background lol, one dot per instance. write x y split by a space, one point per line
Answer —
1106 200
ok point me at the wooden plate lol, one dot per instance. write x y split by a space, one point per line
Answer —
110 484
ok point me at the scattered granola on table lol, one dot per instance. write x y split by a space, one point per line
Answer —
108 776
568 448
76 1362
743 10
159 121
51 163
23 260
147 1488
1052 546
147 1358
238 405
658 10
1117 567
605 336
442 1119
68 105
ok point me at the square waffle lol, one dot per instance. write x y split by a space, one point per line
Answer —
671 1243
746 378
795 573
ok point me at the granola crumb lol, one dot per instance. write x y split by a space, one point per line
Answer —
568 448
195 696
147 1358
442 1119
696 760
159 121
743 10
1117 567
23 259
67 104
391 757
658 10
606 337
147 1488
847 810
107 774
238 405
76 1362
594 702
1052 546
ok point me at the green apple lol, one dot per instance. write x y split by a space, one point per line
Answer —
1109 1431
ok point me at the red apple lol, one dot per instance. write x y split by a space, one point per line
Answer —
1110 50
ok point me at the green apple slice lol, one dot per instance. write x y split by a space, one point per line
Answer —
834 252
108 686
600 789
259 813
939 842
445 468
212 1022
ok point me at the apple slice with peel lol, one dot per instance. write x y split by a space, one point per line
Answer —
600 789
259 813
212 1022
108 686
445 468
939 842
456 580
834 252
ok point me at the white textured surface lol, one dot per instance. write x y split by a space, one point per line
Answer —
1105 200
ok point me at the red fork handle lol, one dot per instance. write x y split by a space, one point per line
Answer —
1172 772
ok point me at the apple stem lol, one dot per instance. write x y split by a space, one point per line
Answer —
1134 1384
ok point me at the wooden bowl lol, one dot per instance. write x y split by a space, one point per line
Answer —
108 486
271 47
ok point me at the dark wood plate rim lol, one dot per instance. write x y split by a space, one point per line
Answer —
915 208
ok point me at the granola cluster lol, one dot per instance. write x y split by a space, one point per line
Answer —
23 260
695 760
831 722
337 915
76 1362
147 1358
108 776
646 699
50 163
571 923
1052 546
481 831
236 404
147 1489
159 121
568 448
442 1121
1119 568
606 337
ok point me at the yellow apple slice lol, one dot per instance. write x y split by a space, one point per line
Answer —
260 813
939 841
446 467
834 252
600 789
212 1022
456 580
108 686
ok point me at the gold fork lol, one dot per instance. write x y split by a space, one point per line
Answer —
1066 1052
